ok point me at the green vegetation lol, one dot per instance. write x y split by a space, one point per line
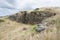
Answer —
33 28
57 22
2 20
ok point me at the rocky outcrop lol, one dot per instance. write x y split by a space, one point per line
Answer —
32 17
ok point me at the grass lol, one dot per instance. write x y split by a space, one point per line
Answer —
57 22
14 29
16 32
33 28
2 20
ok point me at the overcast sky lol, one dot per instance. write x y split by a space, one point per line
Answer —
12 6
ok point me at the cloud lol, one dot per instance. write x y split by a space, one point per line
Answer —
36 3
8 7
4 11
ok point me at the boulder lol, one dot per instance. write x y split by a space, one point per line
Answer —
40 27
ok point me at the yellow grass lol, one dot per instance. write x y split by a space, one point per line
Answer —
11 30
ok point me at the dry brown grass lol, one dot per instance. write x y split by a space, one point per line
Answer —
11 30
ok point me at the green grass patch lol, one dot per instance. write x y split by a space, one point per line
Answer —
33 28
2 20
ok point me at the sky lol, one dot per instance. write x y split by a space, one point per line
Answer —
8 7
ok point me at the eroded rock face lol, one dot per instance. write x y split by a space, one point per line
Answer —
31 17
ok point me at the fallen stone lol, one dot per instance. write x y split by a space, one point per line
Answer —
40 27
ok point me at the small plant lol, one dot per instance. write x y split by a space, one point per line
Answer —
33 28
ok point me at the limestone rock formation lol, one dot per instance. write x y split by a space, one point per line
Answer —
32 17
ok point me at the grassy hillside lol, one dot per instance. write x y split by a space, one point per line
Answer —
12 30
